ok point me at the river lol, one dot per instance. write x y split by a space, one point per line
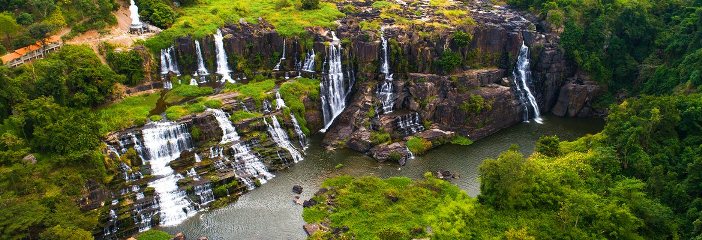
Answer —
268 212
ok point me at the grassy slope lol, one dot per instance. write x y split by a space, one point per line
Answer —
204 18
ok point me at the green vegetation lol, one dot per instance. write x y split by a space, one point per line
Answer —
184 92
461 140
378 138
239 116
128 63
475 105
157 12
449 61
638 179
256 90
650 47
418 145
204 18
129 112
154 235
23 22
293 92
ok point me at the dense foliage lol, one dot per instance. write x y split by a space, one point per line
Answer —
638 179
647 46
22 22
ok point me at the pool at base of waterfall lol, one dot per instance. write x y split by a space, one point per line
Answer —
269 212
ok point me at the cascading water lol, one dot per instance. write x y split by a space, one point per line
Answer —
246 164
267 106
277 66
409 124
197 158
308 66
333 87
201 69
168 61
385 91
204 193
300 134
280 137
522 78
168 85
228 131
222 64
163 142
279 102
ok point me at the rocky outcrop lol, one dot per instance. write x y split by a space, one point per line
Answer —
576 98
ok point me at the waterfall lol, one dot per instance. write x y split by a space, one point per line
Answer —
134 15
168 61
267 106
164 141
193 82
308 66
197 158
168 85
300 134
522 78
204 193
222 64
201 69
228 131
113 150
277 66
385 91
409 124
279 102
332 87
280 137
246 164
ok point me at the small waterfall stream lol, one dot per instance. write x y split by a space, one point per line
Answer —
333 89
280 137
163 142
300 134
308 66
522 79
277 66
168 61
201 69
386 89
228 131
222 64
409 124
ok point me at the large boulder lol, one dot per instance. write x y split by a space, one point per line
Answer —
575 99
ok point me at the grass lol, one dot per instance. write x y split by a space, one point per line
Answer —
418 145
154 235
129 112
256 90
205 17
200 105
461 140
293 92
184 91
239 116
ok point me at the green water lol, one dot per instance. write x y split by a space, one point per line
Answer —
269 212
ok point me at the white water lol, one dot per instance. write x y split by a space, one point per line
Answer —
300 134
522 76
168 85
332 87
277 66
409 124
204 193
308 66
279 102
164 141
386 89
168 61
228 131
193 82
197 158
222 64
280 137
267 106
201 69
134 15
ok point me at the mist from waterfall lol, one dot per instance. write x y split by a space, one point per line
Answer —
386 89
522 79
332 87
163 143
222 64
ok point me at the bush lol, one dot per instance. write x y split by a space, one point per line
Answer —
549 146
380 138
461 140
461 38
418 145
449 61
310 4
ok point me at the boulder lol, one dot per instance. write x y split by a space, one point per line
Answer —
360 141
575 99
179 236
394 151
309 203
30 159
297 189
311 228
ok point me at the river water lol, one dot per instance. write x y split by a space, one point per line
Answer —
268 212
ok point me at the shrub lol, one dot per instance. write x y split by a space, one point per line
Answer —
461 140
380 138
418 145
310 4
461 38
549 146
449 61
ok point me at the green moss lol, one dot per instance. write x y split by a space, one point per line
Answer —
126 113
293 92
239 116
461 140
379 137
154 235
256 90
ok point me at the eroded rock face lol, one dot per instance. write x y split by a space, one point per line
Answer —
575 99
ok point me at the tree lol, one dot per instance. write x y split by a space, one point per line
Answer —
549 146
59 232
40 31
8 27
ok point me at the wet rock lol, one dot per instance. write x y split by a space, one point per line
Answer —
179 236
360 141
310 229
436 135
321 191
393 152
297 200
297 189
309 203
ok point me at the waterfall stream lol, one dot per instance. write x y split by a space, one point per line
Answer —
222 64
308 66
280 137
385 91
201 69
409 124
163 143
300 134
522 79
277 66
279 102
168 61
228 131
333 89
